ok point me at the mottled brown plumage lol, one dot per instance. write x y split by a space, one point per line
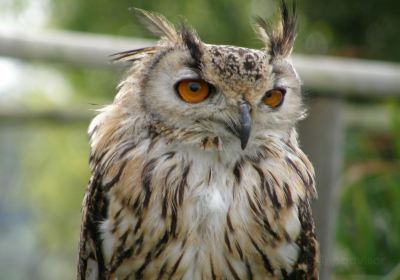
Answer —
216 189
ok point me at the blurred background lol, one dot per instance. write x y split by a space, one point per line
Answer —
353 138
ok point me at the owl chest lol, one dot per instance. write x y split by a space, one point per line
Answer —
196 223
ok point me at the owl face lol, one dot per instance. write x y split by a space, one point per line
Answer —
236 94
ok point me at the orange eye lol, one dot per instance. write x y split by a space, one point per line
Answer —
274 97
193 91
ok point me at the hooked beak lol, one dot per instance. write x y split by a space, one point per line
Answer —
245 122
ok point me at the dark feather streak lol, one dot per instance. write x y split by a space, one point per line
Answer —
237 171
229 222
227 242
146 181
162 270
165 203
159 247
249 271
174 221
116 178
307 262
239 250
90 244
175 267
267 264
288 194
232 270
183 183
271 192
118 255
293 165
139 272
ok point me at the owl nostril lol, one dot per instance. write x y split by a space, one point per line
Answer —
243 102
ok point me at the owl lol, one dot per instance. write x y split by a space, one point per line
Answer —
196 167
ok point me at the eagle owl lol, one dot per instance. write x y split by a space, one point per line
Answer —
196 168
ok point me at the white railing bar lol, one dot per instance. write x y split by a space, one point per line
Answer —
321 74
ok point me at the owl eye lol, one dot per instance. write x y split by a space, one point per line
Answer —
193 91
274 97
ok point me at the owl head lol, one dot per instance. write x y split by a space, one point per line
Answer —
193 93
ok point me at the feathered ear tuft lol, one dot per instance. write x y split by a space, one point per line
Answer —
279 40
133 55
160 26
192 42
157 24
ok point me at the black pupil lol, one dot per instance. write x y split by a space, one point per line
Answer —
269 94
194 86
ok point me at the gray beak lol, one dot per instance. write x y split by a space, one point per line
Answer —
245 122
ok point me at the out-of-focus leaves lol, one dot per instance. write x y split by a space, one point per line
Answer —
55 175
358 28
369 217
222 22
369 225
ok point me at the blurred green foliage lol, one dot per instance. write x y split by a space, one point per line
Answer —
56 158
369 225
369 219
357 28
351 28
56 164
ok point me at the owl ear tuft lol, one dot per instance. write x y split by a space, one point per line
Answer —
157 24
279 38
133 55
192 42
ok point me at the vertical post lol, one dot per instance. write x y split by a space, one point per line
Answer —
12 218
321 136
